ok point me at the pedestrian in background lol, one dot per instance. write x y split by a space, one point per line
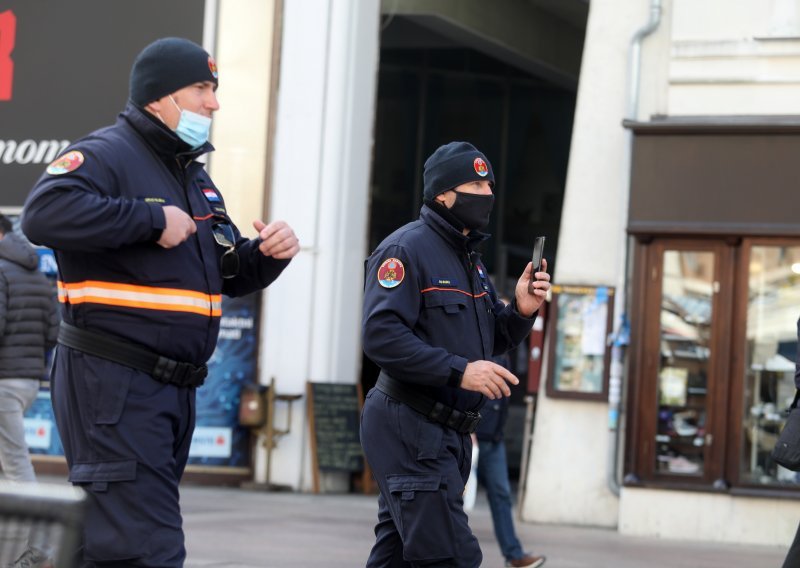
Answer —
28 329
493 476
432 323
793 554
145 250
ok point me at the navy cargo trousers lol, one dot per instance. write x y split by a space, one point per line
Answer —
421 469
126 438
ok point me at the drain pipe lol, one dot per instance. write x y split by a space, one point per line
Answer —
621 335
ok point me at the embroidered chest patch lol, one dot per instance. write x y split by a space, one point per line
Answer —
391 273
211 195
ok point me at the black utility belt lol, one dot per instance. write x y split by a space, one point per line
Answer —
105 346
463 422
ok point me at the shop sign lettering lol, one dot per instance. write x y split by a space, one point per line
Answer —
30 151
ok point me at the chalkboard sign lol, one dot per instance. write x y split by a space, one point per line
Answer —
333 414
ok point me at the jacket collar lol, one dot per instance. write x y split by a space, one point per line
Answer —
160 138
448 232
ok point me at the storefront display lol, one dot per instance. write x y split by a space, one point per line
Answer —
772 312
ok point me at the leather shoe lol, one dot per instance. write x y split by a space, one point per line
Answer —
527 561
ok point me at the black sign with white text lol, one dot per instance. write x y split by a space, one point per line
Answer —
64 70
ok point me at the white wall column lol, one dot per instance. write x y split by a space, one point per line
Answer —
567 481
320 186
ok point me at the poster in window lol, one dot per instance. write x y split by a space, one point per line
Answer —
672 386
580 322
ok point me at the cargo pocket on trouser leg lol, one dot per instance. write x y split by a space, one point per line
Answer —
422 516
107 385
112 530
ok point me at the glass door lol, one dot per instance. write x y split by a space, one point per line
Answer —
683 360
688 284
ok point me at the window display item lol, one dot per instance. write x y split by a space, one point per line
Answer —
672 383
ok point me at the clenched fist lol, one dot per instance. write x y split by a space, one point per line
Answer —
179 227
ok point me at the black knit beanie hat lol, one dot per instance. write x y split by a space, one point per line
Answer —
167 65
453 164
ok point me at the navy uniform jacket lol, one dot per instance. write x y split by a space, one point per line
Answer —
100 207
442 315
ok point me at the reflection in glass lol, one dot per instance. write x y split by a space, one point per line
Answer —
686 306
773 306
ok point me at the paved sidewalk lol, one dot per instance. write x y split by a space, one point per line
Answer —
236 528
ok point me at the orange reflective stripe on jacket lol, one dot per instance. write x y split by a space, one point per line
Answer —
435 289
142 297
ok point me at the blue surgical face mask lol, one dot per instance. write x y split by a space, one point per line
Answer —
192 128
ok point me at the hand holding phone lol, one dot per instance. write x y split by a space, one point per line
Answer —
536 260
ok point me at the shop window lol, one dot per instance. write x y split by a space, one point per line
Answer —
773 306
712 362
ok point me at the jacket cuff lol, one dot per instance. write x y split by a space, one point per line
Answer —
517 313
158 220
457 368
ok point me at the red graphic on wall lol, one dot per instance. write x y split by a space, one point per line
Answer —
8 32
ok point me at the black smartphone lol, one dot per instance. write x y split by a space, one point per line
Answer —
538 252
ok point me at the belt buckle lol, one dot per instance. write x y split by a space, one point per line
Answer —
475 419
190 375
198 375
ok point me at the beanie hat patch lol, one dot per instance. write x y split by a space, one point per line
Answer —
168 65
480 167
452 165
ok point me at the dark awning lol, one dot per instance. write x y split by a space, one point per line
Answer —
716 176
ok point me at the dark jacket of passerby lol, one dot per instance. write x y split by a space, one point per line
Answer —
493 420
28 314
495 412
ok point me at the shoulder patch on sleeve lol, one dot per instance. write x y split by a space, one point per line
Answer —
69 162
391 273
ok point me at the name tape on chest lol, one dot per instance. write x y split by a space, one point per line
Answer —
444 282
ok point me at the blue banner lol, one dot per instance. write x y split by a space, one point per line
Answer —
218 439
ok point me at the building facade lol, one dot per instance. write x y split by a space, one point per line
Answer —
680 179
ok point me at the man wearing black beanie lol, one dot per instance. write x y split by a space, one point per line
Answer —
432 322
145 250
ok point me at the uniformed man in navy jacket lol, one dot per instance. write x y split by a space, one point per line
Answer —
432 323
145 250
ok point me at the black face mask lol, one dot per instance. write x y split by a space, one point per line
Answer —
473 210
